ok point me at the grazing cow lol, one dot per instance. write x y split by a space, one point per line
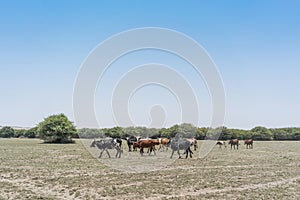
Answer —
234 142
193 142
180 143
145 143
163 143
221 143
130 140
249 143
106 144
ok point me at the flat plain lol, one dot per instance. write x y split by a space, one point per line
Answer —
33 170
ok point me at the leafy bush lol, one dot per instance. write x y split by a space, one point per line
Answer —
7 132
56 129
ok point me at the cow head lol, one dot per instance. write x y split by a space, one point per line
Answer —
93 143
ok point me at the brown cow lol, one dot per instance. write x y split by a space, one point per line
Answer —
163 143
234 142
249 143
146 144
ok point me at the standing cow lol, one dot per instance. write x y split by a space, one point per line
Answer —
130 140
249 143
234 142
180 143
106 144
221 143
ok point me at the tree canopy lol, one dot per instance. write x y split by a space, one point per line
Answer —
7 132
56 129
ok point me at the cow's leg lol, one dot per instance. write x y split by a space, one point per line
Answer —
107 153
119 151
160 146
190 152
154 152
172 153
186 153
101 153
141 150
178 153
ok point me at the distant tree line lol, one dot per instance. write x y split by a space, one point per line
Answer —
8 132
44 128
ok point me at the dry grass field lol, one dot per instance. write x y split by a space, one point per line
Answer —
33 170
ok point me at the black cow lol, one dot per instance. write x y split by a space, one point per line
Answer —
130 140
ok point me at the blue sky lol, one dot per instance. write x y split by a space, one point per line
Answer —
255 45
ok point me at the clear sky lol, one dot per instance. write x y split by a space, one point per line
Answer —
255 45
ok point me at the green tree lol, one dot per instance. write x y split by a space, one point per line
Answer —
56 129
128 131
90 133
19 133
32 133
188 130
114 132
7 132
201 133
224 132
173 130
163 133
261 133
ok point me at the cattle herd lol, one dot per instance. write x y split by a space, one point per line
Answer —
178 143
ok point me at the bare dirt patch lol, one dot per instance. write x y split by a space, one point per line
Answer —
32 170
